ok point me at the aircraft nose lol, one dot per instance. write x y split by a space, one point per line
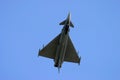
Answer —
69 15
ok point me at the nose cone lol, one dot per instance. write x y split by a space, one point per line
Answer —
69 16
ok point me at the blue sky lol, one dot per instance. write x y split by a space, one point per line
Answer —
25 25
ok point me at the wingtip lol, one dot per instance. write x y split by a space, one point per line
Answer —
79 60
38 52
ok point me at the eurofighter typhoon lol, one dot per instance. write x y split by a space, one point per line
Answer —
61 47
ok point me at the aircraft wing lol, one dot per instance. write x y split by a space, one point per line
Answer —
71 54
50 50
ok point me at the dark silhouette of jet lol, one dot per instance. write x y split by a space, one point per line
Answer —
61 47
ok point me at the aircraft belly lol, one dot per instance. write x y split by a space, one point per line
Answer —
61 49
57 57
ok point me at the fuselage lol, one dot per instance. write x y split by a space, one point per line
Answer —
61 48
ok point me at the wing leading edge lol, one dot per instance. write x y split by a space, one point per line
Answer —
50 50
71 54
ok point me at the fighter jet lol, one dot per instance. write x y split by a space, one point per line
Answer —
61 47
